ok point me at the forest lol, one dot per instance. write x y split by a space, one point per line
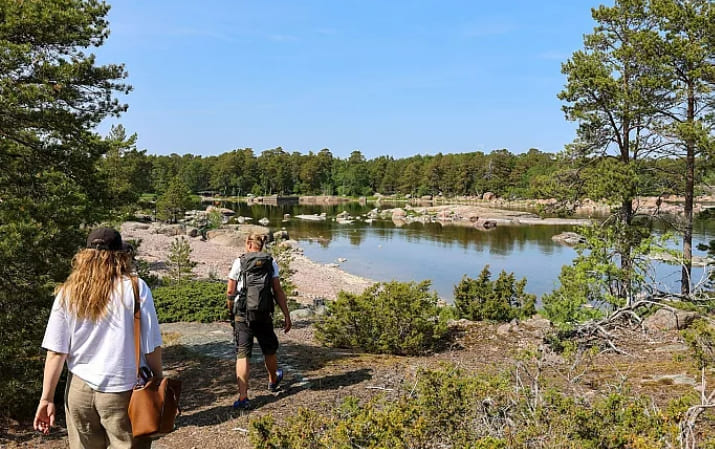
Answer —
533 174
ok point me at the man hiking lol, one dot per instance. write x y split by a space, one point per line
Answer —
253 287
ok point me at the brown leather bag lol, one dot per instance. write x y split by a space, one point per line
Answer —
154 406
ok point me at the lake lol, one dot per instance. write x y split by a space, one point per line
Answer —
443 254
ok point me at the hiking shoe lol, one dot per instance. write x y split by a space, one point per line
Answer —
242 404
273 386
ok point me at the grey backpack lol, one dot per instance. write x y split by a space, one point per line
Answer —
255 299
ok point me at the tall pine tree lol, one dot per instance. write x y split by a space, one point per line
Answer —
52 95
614 93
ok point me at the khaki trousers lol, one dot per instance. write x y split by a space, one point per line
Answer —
97 420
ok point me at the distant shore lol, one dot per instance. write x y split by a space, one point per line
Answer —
665 204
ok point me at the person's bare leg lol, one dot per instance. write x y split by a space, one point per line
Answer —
271 366
243 368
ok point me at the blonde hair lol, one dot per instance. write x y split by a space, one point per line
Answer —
256 240
87 290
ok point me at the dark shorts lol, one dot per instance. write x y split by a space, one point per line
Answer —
263 331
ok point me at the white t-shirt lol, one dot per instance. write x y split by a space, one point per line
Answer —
102 353
235 273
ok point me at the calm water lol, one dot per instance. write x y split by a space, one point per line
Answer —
442 254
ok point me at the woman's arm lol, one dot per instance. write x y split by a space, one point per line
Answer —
45 415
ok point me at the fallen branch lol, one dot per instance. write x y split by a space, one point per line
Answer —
379 388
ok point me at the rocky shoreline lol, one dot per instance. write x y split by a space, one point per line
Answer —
215 256
664 204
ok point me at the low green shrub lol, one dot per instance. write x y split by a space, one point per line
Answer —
202 301
449 407
501 300
393 317
283 255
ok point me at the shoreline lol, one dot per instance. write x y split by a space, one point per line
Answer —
215 256
651 205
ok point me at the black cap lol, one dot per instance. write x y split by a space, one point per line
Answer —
106 239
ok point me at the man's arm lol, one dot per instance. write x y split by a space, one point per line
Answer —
230 298
282 303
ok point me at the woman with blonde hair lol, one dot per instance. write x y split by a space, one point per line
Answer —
252 274
91 327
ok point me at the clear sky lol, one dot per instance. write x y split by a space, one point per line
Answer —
385 77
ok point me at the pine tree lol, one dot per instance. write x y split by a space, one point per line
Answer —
687 52
52 95
614 91
180 263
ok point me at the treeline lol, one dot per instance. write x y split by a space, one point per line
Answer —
533 174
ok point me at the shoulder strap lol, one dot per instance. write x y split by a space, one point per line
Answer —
137 322
242 273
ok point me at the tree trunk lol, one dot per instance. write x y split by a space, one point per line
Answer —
689 194
626 216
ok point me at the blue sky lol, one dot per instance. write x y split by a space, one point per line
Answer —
383 77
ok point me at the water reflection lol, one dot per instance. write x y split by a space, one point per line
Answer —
415 251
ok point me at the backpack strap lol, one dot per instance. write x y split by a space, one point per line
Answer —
137 323
243 274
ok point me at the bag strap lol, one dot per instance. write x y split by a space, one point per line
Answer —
243 275
137 322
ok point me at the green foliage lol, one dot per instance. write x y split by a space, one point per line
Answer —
179 260
595 283
52 95
174 202
534 174
449 407
710 248
501 300
283 255
700 336
125 171
393 317
202 301
142 267
448 313
215 218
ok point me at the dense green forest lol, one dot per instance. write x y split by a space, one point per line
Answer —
533 174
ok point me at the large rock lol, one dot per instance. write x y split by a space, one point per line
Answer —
136 226
224 211
170 230
535 327
569 238
281 235
398 213
485 224
301 314
292 244
665 320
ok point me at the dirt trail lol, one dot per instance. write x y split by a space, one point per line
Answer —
319 378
